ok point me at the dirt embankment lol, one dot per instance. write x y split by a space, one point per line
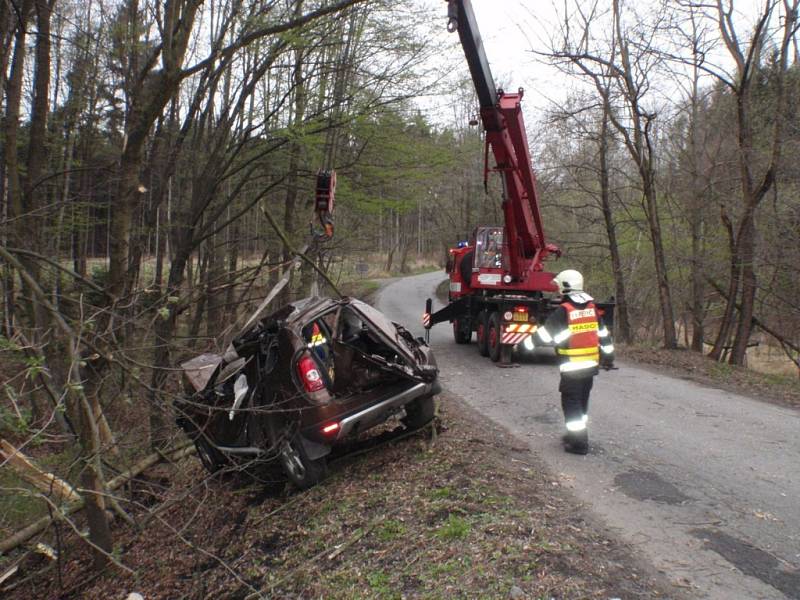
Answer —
463 513
779 389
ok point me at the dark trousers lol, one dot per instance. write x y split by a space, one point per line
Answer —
575 396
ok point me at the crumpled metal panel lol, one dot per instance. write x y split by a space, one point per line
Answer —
200 369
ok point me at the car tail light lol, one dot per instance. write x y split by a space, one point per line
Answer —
521 309
309 374
330 428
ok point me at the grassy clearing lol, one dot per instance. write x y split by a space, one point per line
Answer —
363 289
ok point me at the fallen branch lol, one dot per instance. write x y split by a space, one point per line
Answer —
46 482
23 535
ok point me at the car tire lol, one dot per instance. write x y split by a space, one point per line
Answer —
461 331
301 470
495 337
213 460
419 412
481 335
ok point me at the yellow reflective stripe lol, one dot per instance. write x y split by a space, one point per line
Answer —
585 358
580 327
577 351
317 340
545 335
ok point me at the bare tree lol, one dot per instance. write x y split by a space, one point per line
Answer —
756 176
621 75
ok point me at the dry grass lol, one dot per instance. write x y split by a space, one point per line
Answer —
782 389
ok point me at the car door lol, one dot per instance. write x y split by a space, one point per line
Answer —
404 356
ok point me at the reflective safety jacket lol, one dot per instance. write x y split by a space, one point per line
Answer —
317 337
579 335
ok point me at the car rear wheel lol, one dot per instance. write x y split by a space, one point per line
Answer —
419 412
482 334
213 460
302 471
494 337
462 331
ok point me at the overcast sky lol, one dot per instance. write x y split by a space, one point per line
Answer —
506 29
513 29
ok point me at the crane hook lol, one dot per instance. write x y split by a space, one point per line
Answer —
452 16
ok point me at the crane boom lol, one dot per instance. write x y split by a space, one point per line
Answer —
498 287
501 115
462 19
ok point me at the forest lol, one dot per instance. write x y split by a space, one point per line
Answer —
157 172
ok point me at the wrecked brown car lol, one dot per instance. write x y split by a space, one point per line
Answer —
296 383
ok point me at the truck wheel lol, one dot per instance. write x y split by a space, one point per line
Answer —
482 334
494 337
419 412
299 468
462 331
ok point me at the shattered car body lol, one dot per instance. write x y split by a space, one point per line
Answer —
301 380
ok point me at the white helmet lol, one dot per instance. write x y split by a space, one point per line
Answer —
569 281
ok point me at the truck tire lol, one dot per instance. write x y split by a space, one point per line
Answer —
482 334
462 331
495 335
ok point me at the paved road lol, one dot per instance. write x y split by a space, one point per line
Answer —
705 483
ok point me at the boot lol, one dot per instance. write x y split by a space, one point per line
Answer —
576 442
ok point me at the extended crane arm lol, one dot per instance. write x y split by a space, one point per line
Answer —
505 135
461 18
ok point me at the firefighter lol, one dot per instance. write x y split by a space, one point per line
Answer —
583 344
316 340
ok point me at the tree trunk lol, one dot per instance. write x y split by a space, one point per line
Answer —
664 294
233 260
215 279
161 238
13 192
697 269
749 285
292 179
726 324
164 330
621 318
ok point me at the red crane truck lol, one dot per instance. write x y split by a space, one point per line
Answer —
498 285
